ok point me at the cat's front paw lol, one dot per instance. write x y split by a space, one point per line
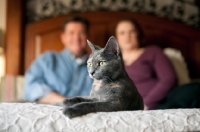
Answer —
67 103
71 112
70 102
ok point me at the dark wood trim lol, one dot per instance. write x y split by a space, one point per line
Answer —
14 39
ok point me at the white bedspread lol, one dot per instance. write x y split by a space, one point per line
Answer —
28 117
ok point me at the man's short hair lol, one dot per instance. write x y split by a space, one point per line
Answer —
79 19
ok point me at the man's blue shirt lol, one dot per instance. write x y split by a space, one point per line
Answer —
59 72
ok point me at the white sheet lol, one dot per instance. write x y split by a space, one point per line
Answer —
29 117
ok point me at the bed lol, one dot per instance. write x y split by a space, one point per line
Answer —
29 117
45 35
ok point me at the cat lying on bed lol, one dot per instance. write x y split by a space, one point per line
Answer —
112 89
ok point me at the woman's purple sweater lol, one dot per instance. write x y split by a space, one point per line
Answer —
153 75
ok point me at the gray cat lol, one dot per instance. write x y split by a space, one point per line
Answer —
112 89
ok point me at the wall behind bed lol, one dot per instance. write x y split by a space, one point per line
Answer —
186 11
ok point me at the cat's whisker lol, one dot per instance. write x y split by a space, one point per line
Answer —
109 79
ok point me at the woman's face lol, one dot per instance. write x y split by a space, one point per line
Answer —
126 35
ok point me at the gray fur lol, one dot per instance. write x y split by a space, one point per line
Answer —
112 89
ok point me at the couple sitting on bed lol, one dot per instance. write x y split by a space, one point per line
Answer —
55 76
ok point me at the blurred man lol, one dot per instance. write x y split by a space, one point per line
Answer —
54 76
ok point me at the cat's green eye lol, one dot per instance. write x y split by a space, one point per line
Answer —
102 63
89 64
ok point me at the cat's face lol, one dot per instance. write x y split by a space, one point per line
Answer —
104 63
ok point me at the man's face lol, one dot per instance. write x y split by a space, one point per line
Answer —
74 38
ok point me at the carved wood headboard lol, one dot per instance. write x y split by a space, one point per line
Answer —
45 35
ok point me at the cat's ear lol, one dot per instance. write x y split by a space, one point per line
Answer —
112 46
92 46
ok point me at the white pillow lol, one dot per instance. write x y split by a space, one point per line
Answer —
179 64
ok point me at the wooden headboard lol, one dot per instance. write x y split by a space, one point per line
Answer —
45 35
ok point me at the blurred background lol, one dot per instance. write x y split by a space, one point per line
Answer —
16 16
21 12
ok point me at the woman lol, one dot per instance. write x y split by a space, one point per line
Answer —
148 67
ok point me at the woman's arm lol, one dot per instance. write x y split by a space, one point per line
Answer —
166 78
